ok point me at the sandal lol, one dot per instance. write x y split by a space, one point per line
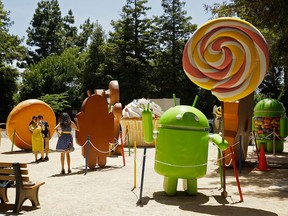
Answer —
63 171
69 170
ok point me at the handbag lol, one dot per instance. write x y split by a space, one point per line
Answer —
71 148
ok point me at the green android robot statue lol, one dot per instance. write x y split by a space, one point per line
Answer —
270 120
182 147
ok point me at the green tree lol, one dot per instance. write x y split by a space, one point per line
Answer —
271 87
174 30
50 33
70 31
93 77
11 49
45 33
84 35
270 17
54 75
58 102
8 87
11 52
132 40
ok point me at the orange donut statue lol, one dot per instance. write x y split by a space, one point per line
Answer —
20 117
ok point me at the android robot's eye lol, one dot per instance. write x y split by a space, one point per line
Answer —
196 118
179 117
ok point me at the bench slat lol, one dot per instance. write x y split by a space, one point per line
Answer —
24 172
12 178
11 171
7 177
25 178
7 171
8 164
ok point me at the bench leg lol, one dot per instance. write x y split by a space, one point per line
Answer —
3 195
19 200
23 195
33 196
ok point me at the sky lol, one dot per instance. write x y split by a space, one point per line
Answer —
103 11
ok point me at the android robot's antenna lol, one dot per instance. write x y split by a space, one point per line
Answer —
175 101
195 101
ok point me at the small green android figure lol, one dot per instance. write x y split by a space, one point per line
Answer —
181 147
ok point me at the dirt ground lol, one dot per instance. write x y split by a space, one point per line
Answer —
110 190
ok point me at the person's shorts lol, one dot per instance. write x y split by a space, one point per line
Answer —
46 143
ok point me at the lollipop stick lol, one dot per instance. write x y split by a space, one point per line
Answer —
224 192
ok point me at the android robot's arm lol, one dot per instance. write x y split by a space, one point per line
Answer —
219 141
147 124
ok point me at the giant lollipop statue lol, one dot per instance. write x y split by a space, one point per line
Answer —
228 56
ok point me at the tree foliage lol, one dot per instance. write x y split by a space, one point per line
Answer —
132 40
174 29
84 35
45 33
70 31
144 54
58 102
50 33
10 51
53 75
92 78
8 87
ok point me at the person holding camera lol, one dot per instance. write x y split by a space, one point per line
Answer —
36 128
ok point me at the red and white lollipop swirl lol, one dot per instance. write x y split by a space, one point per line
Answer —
228 56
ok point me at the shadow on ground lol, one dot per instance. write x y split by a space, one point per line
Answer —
200 204
7 208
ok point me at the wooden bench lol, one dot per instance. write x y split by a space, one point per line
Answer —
17 175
